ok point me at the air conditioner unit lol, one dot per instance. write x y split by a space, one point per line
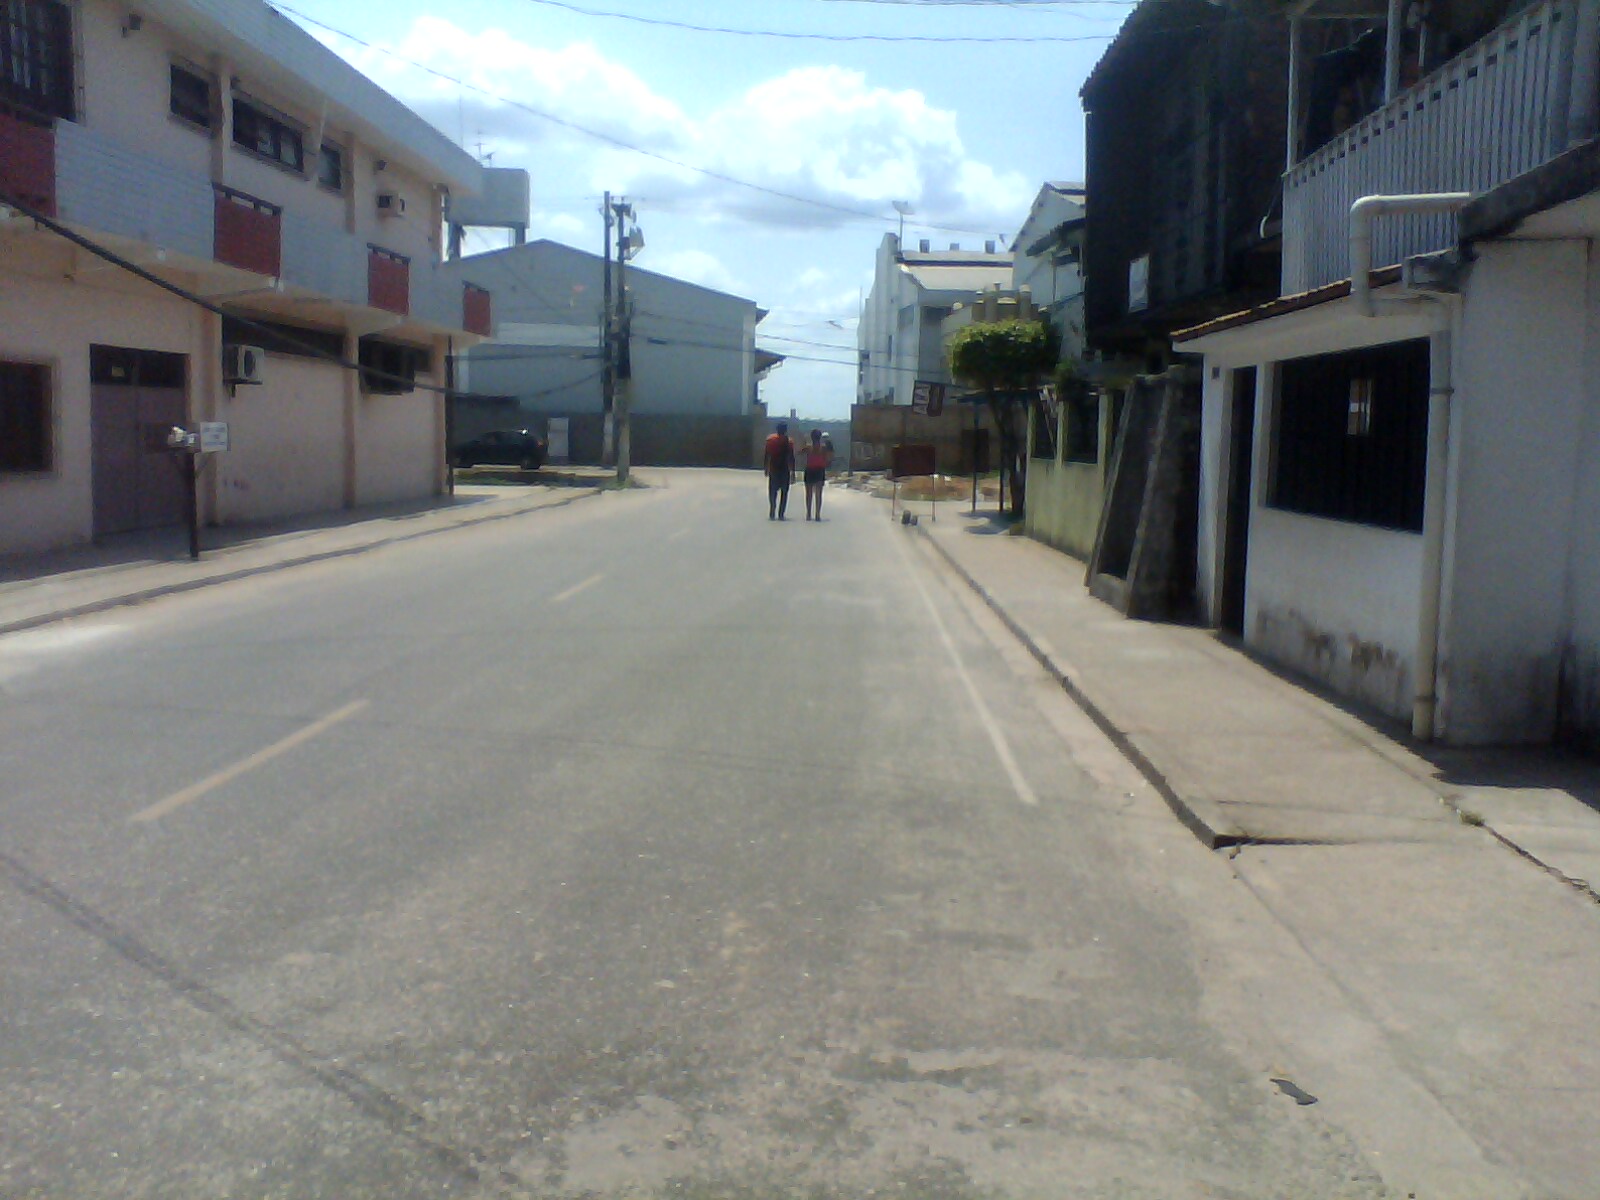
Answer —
391 205
242 364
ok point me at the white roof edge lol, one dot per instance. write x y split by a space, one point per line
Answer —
265 43
464 265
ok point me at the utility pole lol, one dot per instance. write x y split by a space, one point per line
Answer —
629 243
608 377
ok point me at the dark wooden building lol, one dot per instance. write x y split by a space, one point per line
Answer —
1185 115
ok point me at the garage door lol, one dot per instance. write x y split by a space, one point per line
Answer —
136 397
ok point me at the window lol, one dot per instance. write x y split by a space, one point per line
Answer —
1046 427
191 97
270 136
1351 436
1358 422
36 56
392 358
330 167
1082 412
24 417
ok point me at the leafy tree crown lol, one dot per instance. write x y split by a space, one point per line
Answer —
1004 355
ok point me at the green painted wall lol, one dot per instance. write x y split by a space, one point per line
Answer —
1064 498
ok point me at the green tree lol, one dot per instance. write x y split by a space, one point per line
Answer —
1007 361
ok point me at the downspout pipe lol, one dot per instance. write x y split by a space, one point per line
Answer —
1441 391
1362 213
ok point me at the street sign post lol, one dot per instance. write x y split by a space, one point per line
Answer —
189 447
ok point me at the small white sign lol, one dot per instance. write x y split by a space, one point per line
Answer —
1139 284
213 436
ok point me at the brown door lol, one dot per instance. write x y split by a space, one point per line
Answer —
135 397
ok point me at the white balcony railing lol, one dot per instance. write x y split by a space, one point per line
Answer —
1493 112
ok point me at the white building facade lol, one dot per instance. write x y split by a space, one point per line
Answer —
900 337
693 387
1048 261
219 147
1397 484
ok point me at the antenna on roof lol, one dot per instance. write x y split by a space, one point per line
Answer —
904 208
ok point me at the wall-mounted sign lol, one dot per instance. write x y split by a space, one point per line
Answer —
927 398
1139 284
213 436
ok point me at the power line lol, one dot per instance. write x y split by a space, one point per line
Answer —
609 139
1011 39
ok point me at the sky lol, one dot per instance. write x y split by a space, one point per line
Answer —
764 166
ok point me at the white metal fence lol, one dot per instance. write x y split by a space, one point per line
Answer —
1493 112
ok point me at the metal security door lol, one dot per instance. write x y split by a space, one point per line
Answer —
136 397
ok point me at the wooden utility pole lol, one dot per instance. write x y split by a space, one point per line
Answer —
608 375
628 243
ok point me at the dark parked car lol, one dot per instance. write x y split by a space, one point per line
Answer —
504 447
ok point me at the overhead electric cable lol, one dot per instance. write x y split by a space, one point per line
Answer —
610 139
962 39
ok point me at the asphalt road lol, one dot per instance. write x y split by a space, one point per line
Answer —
641 848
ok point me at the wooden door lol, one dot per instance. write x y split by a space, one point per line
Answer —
135 398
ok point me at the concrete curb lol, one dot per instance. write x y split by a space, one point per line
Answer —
189 585
1210 837
1186 812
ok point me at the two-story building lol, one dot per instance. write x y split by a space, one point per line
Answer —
900 341
693 394
1398 484
900 336
1183 117
221 149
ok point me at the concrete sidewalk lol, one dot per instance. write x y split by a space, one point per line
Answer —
1443 1002
1244 755
36 589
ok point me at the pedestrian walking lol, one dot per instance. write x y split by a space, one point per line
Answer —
778 463
818 456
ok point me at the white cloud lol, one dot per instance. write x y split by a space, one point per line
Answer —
823 132
561 227
695 266
575 84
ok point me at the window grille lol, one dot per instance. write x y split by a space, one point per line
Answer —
36 57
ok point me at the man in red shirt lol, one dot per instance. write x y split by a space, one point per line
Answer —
778 462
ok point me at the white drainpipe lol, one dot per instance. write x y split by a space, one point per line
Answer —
1425 701
1361 214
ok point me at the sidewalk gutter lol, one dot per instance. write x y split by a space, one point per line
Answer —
176 587
1566 843
1191 818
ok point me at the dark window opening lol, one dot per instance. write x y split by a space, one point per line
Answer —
330 168
393 359
36 56
277 338
1046 428
1083 425
1351 437
191 97
258 131
24 417
136 368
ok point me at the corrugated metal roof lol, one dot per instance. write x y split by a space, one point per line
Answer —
962 278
